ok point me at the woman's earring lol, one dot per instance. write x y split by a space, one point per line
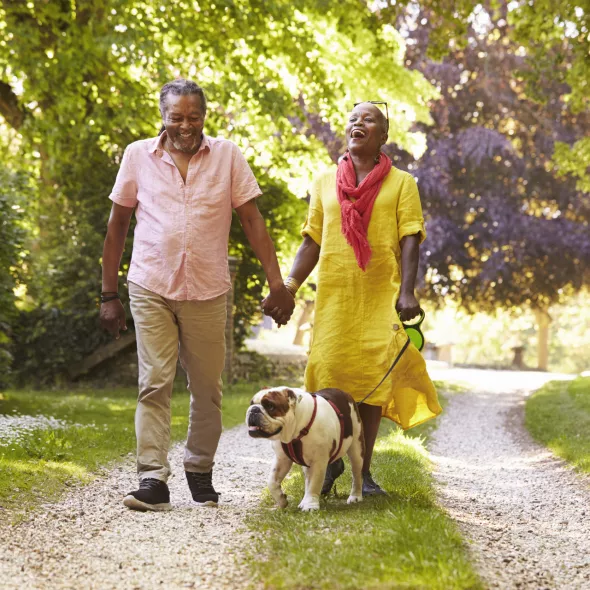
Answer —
378 157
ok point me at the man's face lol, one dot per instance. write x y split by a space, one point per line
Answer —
184 118
364 129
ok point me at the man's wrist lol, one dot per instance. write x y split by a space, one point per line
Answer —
107 296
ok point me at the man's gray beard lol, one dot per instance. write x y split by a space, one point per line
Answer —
181 148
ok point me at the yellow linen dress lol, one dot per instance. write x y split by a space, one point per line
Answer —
357 333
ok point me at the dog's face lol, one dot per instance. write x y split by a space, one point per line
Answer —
269 412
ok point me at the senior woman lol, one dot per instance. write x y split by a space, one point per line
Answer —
364 227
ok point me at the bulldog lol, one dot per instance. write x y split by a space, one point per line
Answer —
311 429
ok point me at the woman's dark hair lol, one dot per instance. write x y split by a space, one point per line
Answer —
181 87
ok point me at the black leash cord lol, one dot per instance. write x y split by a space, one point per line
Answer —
399 356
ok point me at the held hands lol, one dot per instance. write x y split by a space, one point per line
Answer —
407 307
279 305
112 317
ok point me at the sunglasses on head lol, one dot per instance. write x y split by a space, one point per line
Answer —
376 102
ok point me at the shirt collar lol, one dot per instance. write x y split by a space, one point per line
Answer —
157 144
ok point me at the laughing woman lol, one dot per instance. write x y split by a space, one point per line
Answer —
364 227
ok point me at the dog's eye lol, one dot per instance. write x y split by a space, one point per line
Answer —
270 406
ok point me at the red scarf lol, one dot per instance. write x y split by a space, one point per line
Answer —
356 216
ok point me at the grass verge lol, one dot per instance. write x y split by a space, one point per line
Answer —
39 464
558 416
402 541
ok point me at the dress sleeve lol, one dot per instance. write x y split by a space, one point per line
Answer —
315 215
124 192
409 210
243 184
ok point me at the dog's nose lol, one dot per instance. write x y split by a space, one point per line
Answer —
255 410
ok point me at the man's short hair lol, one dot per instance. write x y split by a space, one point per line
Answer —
181 87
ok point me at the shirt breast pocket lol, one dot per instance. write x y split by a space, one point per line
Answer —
211 189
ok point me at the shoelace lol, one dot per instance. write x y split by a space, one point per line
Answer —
201 479
149 483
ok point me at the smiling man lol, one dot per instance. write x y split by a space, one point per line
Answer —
182 186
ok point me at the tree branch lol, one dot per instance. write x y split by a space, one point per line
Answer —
9 107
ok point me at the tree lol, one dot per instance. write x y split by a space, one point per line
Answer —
79 81
552 37
12 252
505 228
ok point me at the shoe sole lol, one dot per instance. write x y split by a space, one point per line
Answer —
207 503
135 504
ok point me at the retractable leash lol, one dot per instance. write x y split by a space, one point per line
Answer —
413 330
415 336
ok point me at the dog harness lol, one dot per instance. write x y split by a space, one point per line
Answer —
294 449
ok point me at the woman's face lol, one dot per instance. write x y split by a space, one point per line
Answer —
365 130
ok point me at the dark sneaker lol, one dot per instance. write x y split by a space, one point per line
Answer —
202 488
334 471
370 488
152 494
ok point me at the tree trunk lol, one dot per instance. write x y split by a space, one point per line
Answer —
304 318
543 321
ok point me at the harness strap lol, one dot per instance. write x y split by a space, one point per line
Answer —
341 419
294 449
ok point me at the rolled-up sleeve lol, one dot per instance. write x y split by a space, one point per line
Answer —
409 210
243 183
125 190
315 215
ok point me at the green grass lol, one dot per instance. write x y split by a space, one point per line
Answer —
403 541
40 465
558 415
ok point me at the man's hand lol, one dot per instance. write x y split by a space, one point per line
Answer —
112 317
279 305
407 307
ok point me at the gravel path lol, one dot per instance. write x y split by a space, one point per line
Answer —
90 540
526 513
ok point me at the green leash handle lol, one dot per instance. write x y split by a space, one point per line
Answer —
414 332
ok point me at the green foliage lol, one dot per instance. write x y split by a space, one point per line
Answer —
558 415
80 81
15 193
49 340
38 465
574 160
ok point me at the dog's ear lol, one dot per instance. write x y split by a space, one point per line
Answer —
294 397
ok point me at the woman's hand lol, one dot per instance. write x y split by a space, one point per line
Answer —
279 305
407 307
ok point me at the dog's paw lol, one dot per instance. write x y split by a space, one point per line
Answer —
309 505
353 499
282 501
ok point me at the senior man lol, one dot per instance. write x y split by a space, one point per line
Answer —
182 186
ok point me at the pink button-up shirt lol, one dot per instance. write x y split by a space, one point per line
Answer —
182 232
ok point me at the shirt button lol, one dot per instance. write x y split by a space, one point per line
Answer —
396 327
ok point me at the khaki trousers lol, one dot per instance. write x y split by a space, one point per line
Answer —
165 328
